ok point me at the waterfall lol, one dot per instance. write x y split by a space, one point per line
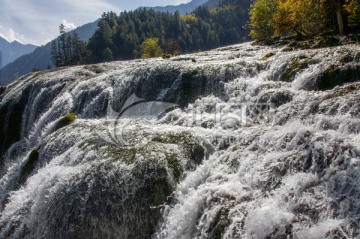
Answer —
244 142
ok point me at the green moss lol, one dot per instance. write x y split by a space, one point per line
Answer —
297 64
172 159
193 150
166 56
267 56
28 167
286 49
174 164
327 41
124 154
347 90
128 155
290 71
65 121
95 68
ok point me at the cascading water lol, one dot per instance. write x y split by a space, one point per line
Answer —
263 143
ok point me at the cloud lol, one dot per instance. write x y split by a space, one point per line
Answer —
10 35
37 21
68 25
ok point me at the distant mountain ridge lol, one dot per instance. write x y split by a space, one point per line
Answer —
40 58
10 51
186 7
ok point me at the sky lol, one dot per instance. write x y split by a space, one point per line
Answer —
37 21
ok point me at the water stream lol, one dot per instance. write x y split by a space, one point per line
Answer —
243 142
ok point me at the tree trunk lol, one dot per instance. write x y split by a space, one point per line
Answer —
339 16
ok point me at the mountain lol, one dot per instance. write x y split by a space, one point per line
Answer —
10 51
40 58
182 8
258 147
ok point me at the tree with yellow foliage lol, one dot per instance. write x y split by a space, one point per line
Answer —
150 48
262 19
306 18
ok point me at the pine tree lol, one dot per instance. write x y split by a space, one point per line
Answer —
68 49
107 55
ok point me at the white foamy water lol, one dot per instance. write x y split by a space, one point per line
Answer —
254 149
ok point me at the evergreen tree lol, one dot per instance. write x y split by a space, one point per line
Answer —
123 35
107 55
68 49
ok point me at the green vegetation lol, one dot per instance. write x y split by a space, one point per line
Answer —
347 90
192 148
68 49
132 34
150 48
267 56
297 64
276 18
189 150
65 121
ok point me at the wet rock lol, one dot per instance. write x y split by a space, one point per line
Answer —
65 121
111 206
11 114
28 167
277 98
334 76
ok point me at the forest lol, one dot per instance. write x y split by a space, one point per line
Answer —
146 33
309 18
122 37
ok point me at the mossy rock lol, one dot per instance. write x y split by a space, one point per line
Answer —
334 76
95 68
117 199
277 98
128 155
296 65
347 90
268 55
121 153
287 49
166 56
326 42
28 167
192 149
65 121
